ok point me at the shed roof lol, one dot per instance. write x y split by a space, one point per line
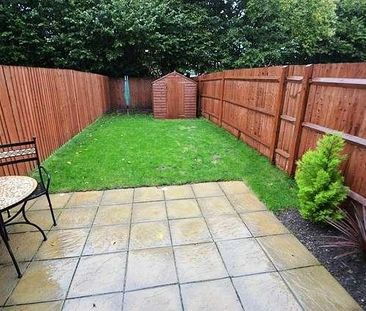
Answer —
174 73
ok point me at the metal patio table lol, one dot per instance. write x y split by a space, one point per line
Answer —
15 190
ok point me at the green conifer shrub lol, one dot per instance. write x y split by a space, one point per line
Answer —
320 181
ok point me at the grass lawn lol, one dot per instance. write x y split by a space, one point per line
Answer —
129 151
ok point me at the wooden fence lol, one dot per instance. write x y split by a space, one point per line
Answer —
140 92
51 104
282 111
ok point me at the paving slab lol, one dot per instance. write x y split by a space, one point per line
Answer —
150 267
106 239
146 194
227 227
44 281
183 209
178 192
316 289
209 189
234 187
246 202
199 262
59 200
165 298
188 231
209 296
244 256
149 234
100 302
266 291
117 196
98 274
286 252
263 223
149 211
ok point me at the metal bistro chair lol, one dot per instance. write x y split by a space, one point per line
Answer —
22 152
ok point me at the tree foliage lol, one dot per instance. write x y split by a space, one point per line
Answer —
150 37
320 181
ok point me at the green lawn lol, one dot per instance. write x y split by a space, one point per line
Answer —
129 151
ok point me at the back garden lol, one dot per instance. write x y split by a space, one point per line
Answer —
254 199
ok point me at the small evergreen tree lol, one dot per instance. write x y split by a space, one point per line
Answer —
320 181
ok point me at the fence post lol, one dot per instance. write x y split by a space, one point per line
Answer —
299 118
278 111
222 98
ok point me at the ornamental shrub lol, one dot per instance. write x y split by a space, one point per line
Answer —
320 181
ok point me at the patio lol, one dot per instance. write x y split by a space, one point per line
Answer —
207 246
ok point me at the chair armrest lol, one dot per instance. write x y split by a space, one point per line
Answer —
42 172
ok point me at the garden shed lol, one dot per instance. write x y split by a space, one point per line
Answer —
174 96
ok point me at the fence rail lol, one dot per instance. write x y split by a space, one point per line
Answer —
51 104
282 111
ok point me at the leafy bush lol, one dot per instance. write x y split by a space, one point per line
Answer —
320 182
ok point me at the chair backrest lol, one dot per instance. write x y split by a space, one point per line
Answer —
20 152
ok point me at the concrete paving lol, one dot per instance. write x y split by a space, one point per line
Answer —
208 246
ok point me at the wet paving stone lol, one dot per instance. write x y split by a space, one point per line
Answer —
316 289
188 231
41 218
215 206
286 252
24 246
87 198
100 302
44 281
150 211
207 190
150 267
263 223
227 227
199 262
8 280
246 202
146 194
178 192
183 209
117 196
210 296
267 291
76 218
165 298
149 234
58 200
113 215
234 187
98 274
244 256
106 239
43 306
63 243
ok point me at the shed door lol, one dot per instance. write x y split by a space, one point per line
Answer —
175 97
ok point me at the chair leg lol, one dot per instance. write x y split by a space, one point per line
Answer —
5 238
31 223
51 208
8 213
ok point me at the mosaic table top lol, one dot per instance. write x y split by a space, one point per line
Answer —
14 189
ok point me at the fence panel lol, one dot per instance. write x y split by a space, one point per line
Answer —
282 112
140 92
50 104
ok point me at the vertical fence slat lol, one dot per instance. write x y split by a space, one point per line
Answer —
294 149
278 110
